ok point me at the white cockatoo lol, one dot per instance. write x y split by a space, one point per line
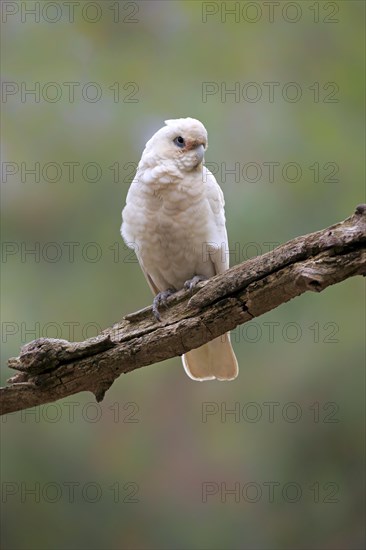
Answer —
174 220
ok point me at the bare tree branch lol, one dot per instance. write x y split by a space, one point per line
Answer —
50 369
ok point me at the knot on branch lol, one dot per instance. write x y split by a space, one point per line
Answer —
47 354
361 209
39 355
311 278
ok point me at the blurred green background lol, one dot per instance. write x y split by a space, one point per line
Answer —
149 468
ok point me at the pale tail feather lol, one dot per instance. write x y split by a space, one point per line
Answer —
214 360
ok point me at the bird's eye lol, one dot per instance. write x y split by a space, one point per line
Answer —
179 141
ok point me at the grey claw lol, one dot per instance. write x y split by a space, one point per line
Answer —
191 283
161 300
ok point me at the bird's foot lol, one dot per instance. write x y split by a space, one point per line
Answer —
161 300
191 283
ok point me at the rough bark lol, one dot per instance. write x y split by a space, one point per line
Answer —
50 369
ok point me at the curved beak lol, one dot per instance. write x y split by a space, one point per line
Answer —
200 152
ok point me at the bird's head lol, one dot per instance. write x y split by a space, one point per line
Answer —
182 140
